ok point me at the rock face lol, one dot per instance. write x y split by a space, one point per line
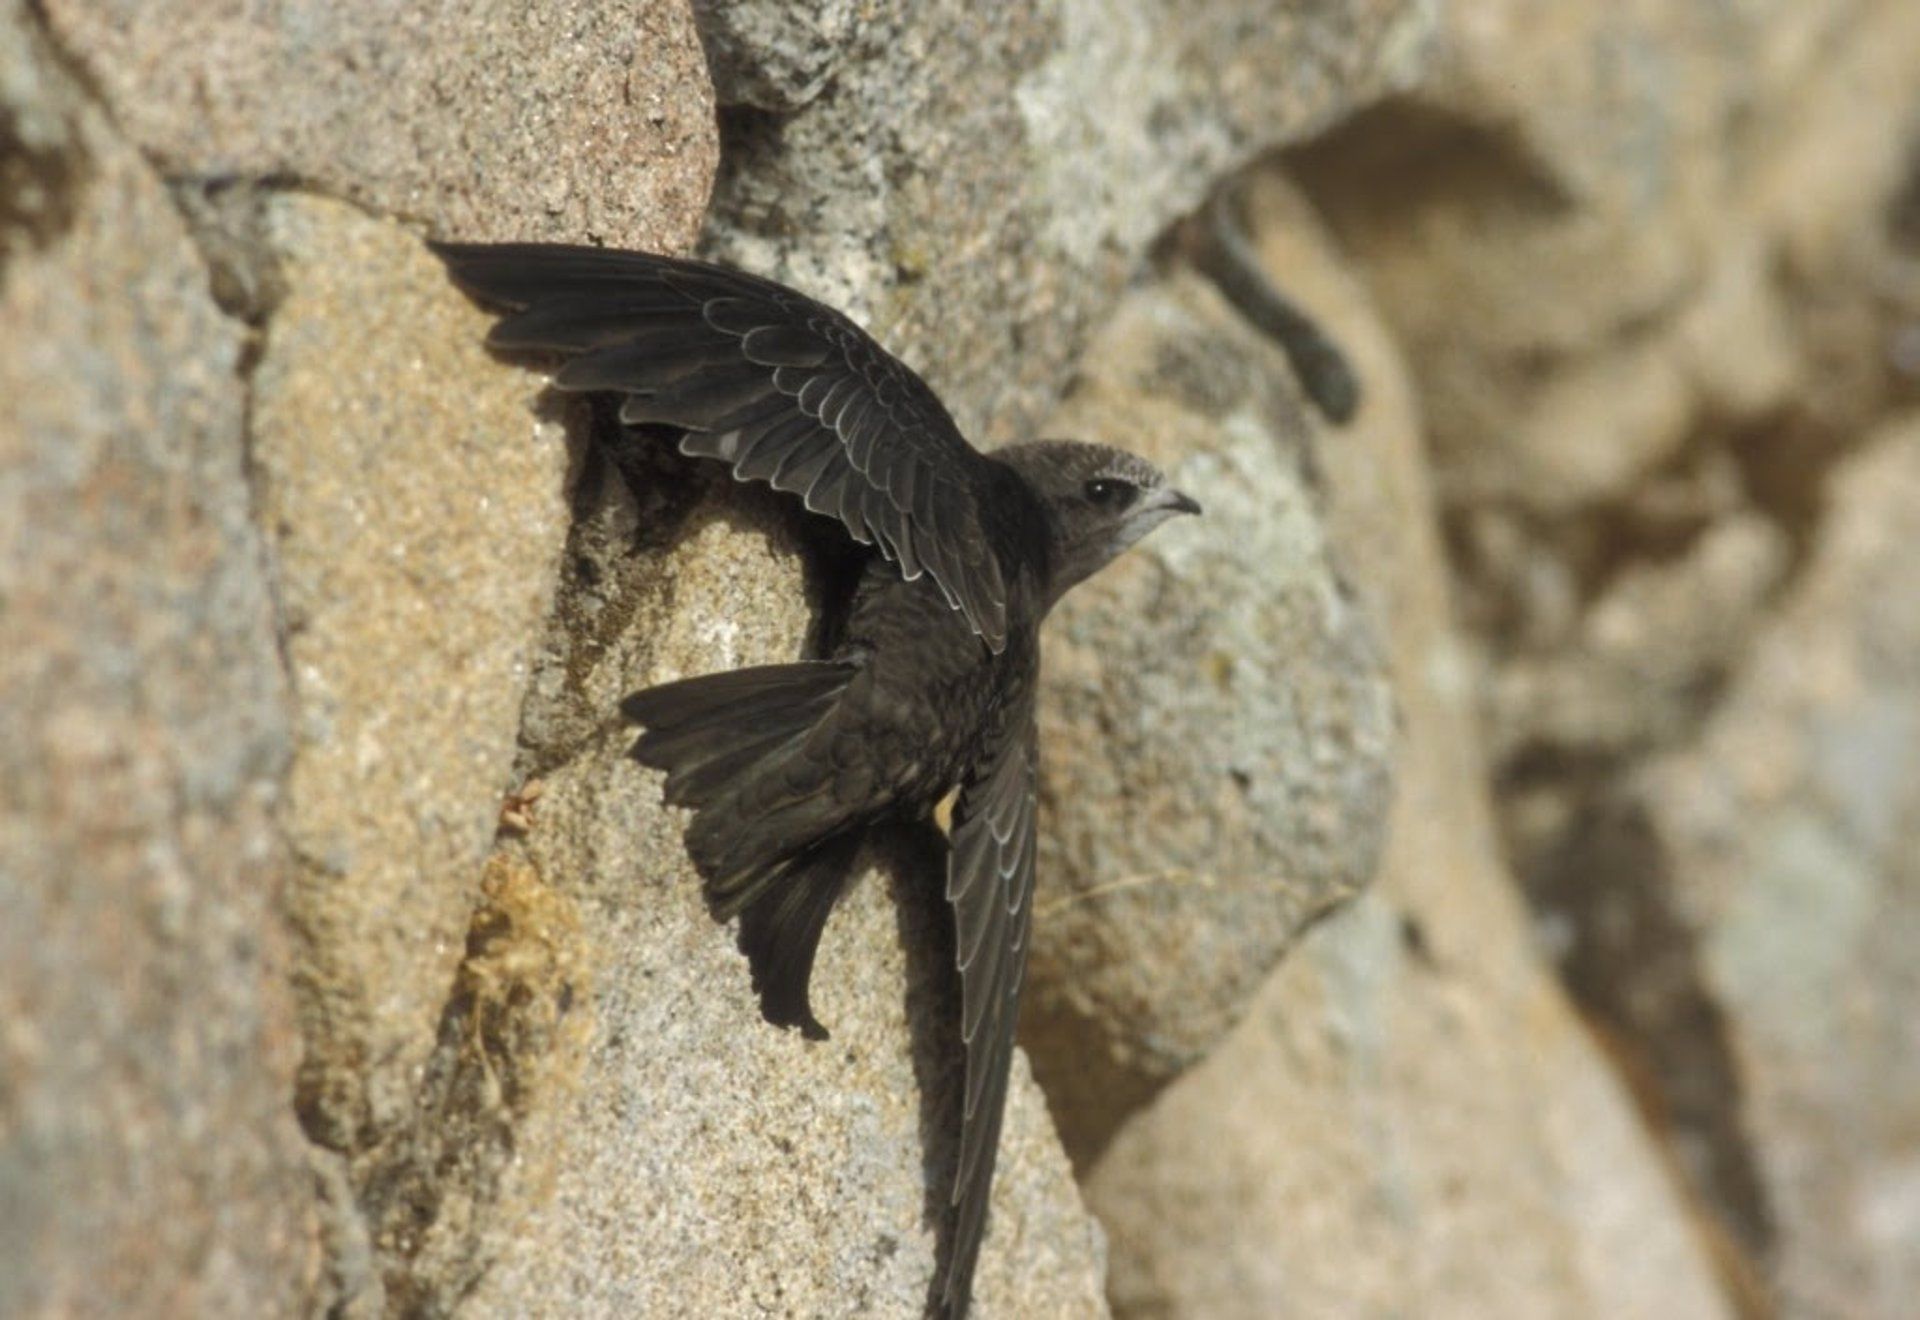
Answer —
1790 837
1653 270
348 967
147 1036
486 121
1409 1119
1217 724
416 552
975 183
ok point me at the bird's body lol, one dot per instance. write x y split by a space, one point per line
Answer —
931 687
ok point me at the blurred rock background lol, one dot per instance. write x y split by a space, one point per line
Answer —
1480 856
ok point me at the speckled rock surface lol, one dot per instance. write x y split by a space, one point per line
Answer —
1789 838
706 1163
416 552
1654 270
1410 1120
976 183
1216 721
147 1036
493 120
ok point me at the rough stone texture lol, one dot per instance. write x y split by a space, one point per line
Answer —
490 120
1638 256
415 500
149 1161
1654 270
706 1163
1410 1120
977 182
1790 836
1216 720
773 56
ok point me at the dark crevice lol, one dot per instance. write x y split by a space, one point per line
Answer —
512 1030
1633 963
45 166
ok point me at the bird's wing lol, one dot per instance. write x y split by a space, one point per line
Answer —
990 884
779 387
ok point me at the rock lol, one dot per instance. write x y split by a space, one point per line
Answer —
147 1034
1216 723
1410 1119
1787 842
1638 260
773 56
700 1161
414 493
1649 267
485 121
977 183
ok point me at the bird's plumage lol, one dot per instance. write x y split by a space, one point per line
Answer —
932 685
781 388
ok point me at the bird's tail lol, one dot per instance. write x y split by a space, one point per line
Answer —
768 850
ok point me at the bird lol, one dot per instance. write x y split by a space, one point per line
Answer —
929 694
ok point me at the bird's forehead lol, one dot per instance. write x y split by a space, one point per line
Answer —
1128 467
1079 459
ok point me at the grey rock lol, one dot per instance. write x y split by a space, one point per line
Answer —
416 505
484 121
978 182
1788 839
1409 1120
1217 728
773 56
148 1156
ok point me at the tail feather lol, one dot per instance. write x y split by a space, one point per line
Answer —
725 742
767 850
780 932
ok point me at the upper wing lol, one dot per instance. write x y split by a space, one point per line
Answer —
778 386
990 884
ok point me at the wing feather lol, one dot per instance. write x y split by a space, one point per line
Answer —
704 348
990 884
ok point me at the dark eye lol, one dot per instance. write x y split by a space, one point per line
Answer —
1110 492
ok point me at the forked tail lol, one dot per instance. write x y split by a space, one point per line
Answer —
772 845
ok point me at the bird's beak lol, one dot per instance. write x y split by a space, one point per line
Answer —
1173 501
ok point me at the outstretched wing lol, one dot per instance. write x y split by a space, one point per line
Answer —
779 387
990 884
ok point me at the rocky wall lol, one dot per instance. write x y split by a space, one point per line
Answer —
348 966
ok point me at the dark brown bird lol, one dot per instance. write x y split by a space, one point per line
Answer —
932 685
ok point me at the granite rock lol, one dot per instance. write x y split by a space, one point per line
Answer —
149 1160
415 502
492 120
1216 721
1410 1119
976 183
1787 839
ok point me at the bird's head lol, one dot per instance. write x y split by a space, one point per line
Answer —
1099 500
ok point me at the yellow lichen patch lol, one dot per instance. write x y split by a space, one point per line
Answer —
521 981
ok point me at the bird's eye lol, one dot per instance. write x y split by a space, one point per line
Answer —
1110 492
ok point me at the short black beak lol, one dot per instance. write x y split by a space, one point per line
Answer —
1178 501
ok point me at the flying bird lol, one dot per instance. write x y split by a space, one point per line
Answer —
931 688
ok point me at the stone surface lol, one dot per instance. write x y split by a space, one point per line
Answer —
414 496
1790 840
149 1161
1216 722
1654 268
579 121
704 1162
1410 1119
976 183
773 56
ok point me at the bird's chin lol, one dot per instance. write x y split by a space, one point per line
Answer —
1136 528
